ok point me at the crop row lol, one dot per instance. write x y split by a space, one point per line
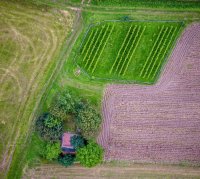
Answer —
91 44
126 48
122 46
96 49
158 52
165 51
132 50
103 46
92 50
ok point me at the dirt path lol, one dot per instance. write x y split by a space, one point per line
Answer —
108 171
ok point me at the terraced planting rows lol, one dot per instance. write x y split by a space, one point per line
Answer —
159 123
133 51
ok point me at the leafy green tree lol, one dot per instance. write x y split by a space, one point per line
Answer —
88 120
52 121
52 150
63 104
66 160
90 155
77 141
49 130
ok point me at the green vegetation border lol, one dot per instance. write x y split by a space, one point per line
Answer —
182 23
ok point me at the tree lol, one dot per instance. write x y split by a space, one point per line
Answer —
52 121
90 155
63 104
48 127
77 141
88 120
52 150
66 160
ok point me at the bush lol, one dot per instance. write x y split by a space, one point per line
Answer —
66 160
88 120
48 127
77 141
63 104
90 155
52 150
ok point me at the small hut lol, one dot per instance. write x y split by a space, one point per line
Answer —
66 146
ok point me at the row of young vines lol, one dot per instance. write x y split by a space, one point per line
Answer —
158 52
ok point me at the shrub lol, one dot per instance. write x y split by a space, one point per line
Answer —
77 141
52 150
50 130
66 160
90 155
63 104
88 120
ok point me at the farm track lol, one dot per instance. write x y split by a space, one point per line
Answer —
37 55
159 123
106 171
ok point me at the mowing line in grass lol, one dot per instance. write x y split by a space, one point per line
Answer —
98 48
102 50
129 60
152 50
121 48
155 52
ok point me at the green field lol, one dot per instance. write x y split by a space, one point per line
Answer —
170 4
127 50
30 44
37 62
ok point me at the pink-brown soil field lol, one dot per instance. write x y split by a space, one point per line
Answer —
159 123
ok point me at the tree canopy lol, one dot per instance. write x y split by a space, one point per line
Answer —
49 127
90 155
66 160
52 150
77 141
88 120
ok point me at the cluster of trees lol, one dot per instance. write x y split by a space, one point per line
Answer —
50 126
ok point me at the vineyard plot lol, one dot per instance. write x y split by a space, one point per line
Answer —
133 51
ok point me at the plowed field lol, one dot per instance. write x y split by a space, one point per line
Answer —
159 123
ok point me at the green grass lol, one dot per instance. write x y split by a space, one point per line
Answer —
28 59
45 87
173 4
127 50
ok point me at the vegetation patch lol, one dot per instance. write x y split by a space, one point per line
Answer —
50 127
127 50
172 4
